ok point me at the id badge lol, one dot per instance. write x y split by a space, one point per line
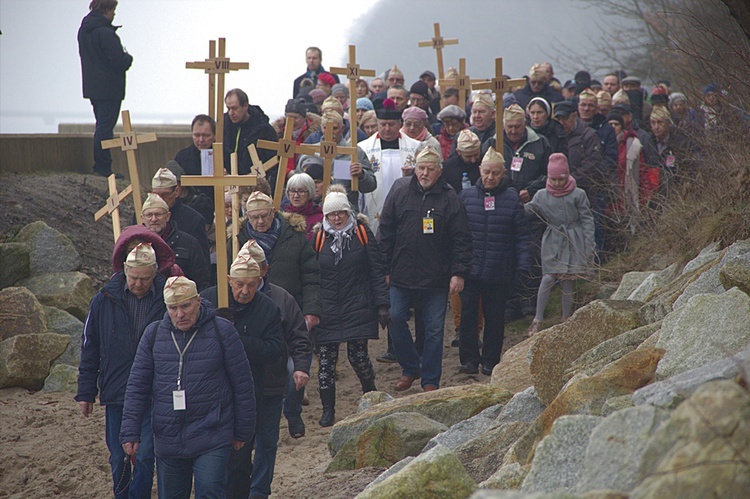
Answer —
669 161
515 165
428 225
489 203
178 400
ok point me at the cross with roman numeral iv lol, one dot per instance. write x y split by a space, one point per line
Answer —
128 142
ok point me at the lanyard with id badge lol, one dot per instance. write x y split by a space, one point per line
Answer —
178 396
515 165
489 202
428 223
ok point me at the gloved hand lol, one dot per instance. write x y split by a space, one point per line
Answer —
384 316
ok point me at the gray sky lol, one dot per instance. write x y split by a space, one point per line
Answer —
40 80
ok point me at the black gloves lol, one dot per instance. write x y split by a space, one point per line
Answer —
384 316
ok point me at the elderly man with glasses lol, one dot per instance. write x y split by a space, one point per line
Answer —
537 86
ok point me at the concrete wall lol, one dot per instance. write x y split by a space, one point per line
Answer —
24 153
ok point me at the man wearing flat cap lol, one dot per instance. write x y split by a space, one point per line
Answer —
118 315
258 320
165 185
424 233
191 368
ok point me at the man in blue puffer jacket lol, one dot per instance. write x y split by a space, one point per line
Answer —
500 246
118 314
192 364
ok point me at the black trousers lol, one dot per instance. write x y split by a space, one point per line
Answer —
106 112
493 296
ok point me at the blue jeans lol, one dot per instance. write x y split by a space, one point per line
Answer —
209 470
143 473
266 444
434 302
293 399
106 112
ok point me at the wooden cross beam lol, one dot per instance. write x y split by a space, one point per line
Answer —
499 85
219 181
128 142
285 150
353 72
437 43
235 192
112 206
217 66
258 167
462 82
328 150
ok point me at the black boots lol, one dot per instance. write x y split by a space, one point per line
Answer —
328 398
368 385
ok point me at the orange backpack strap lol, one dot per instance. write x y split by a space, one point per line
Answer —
320 238
362 235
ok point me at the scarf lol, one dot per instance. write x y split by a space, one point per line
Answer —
422 135
341 237
312 213
570 184
267 239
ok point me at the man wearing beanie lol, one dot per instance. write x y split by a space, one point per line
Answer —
419 96
187 251
118 314
191 368
244 125
313 58
165 185
391 154
425 235
258 320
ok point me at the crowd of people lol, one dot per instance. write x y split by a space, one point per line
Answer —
442 214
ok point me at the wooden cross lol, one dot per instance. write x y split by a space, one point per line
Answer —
499 85
219 181
112 206
258 167
285 149
353 72
214 66
462 82
437 43
328 150
128 142
235 192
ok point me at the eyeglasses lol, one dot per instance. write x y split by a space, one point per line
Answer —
338 214
155 214
297 192
264 216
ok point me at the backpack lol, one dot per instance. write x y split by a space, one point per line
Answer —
320 237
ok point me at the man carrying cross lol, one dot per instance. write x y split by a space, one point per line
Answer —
104 62
203 129
244 125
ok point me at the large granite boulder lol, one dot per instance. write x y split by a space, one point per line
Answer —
25 360
525 406
69 291
616 447
559 457
512 372
709 254
61 322
629 282
14 263
49 250
554 350
370 399
703 449
507 479
673 391
20 313
436 473
62 378
394 437
735 274
483 455
708 328
447 406
464 431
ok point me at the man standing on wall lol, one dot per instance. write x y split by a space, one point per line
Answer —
103 65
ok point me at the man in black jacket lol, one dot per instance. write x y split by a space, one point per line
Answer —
258 321
313 58
201 199
103 65
425 235
244 125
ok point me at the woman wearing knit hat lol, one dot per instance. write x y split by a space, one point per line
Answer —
568 241
354 292
415 127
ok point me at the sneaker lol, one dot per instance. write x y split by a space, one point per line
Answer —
387 358
469 368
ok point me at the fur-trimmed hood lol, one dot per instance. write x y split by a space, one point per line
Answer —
295 221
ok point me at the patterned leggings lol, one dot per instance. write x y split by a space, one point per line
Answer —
359 359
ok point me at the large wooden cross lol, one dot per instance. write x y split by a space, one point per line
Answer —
285 150
353 72
328 150
258 167
437 43
219 181
113 204
128 142
462 82
499 85
217 65
235 193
